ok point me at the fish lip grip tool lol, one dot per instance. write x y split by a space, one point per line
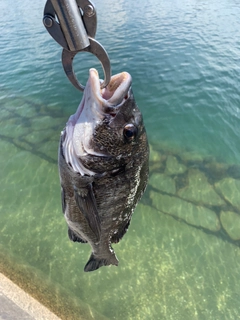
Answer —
73 24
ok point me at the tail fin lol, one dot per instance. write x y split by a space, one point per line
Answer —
95 263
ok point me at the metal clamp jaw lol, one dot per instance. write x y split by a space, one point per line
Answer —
75 31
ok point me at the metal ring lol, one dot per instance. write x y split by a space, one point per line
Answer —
96 49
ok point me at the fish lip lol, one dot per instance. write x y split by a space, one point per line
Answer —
114 94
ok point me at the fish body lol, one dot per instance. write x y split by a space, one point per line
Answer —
103 166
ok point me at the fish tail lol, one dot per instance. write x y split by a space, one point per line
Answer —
95 262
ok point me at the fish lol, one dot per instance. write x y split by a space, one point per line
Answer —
103 166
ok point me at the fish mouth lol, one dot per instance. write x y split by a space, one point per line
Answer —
103 101
116 92
95 105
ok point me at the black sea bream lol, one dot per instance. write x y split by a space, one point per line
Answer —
103 166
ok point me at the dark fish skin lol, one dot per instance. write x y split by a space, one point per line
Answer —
98 207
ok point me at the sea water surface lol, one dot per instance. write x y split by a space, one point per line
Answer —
180 258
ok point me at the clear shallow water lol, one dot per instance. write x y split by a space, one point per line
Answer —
178 260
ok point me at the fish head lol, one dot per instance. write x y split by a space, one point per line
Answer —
107 130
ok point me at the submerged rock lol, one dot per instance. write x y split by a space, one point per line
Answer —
154 155
163 183
39 136
26 109
230 190
215 170
13 129
196 215
45 122
192 156
156 159
231 223
234 171
200 190
173 166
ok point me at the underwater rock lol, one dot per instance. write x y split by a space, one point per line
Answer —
173 166
154 155
49 150
215 170
12 129
230 190
155 158
5 113
162 182
196 215
231 223
191 156
234 171
200 190
45 122
41 135
26 110
21 144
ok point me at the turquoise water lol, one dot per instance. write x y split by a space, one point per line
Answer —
180 258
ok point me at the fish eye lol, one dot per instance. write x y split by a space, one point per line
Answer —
130 132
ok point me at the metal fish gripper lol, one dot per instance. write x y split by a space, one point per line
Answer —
73 24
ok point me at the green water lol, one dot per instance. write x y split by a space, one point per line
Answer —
180 258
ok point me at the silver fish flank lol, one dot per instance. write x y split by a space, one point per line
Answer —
103 166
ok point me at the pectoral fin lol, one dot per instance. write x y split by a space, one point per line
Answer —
86 202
